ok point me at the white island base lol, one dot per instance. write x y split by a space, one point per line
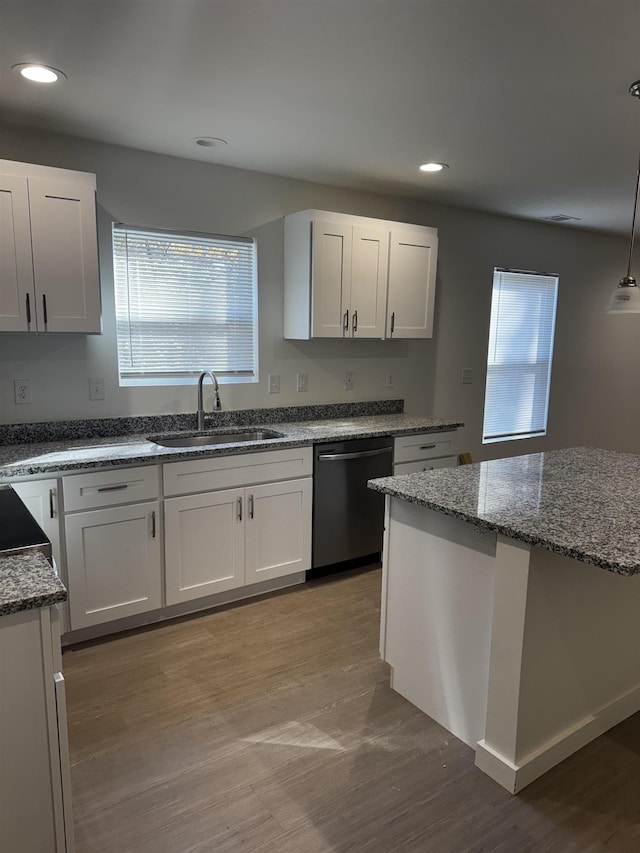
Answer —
523 654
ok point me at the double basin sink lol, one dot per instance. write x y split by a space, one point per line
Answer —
213 439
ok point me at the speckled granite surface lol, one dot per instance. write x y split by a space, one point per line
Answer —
28 581
60 431
580 502
24 459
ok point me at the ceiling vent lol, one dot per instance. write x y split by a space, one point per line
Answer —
561 217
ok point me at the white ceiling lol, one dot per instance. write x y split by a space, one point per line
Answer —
527 100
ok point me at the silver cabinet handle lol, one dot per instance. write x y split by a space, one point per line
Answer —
250 506
118 488
239 509
153 524
393 321
359 455
28 310
354 322
51 509
345 321
427 446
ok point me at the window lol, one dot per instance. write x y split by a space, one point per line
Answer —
523 315
185 302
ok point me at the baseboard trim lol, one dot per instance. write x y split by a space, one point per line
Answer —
185 608
515 777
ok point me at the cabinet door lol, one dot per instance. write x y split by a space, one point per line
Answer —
41 499
411 284
65 255
330 275
369 264
113 563
420 465
278 530
204 544
16 267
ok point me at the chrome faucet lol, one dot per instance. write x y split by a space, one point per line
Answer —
216 395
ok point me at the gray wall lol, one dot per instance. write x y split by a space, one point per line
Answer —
593 398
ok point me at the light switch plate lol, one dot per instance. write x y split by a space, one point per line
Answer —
302 382
274 383
466 377
348 380
96 389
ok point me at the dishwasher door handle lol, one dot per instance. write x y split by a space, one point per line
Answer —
323 457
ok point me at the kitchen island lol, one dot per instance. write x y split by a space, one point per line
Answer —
511 602
35 784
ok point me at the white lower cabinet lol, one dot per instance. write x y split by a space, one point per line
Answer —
278 530
204 544
41 499
230 538
424 451
113 530
113 563
423 465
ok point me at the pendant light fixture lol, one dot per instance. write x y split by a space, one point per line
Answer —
625 299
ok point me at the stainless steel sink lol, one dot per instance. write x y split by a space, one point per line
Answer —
212 439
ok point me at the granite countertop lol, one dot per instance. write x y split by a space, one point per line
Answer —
64 454
581 502
28 581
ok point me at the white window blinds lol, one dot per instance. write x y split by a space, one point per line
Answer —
185 302
523 314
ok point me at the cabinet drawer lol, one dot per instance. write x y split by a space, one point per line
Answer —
423 445
224 472
106 488
419 465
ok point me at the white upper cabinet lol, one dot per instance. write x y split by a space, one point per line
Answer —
413 254
330 273
49 280
370 250
340 271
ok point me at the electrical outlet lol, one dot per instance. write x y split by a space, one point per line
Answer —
348 380
96 389
274 383
389 383
303 382
22 391
466 377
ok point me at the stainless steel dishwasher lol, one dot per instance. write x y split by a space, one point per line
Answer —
348 518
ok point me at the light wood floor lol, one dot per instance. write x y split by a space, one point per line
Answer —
269 727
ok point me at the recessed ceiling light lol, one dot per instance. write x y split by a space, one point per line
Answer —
433 167
210 141
39 73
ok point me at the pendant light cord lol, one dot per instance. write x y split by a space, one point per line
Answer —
633 220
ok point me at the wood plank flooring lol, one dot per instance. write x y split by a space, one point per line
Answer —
269 727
